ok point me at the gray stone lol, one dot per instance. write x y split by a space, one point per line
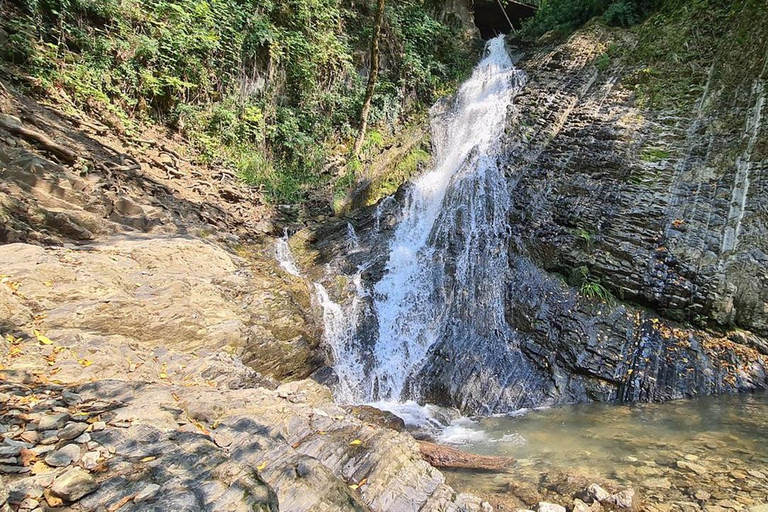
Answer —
63 456
9 451
74 484
147 493
84 438
53 421
72 430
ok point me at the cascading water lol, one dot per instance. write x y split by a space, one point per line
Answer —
447 258
449 248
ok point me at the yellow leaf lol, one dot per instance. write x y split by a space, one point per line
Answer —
356 442
48 283
261 466
40 468
12 339
163 375
354 486
85 363
148 459
42 338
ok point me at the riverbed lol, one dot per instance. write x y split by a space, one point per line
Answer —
710 453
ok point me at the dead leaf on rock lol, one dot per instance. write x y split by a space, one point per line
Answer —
26 457
42 338
119 504
356 442
40 468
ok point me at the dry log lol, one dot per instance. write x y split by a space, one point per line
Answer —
446 457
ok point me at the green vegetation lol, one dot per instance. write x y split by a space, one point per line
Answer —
596 291
589 286
688 44
269 87
654 155
564 16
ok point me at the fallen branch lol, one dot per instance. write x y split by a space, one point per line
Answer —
446 457
38 139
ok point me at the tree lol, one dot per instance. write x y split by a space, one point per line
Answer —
372 76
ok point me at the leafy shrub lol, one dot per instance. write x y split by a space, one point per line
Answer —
283 78
564 16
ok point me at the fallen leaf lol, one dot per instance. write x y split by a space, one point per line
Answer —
27 457
148 459
354 486
40 468
85 363
261 466
119 504
356 442
42 338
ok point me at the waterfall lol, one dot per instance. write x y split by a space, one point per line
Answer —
285 257
447 260
447 257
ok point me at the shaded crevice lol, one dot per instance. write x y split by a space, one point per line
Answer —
492 20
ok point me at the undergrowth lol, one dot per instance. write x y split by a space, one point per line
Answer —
270 87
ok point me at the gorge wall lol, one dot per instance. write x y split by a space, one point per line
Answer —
637 269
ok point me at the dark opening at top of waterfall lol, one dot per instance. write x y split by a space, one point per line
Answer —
492 20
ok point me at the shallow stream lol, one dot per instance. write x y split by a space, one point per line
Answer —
684 455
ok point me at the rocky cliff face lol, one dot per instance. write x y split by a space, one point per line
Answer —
637 266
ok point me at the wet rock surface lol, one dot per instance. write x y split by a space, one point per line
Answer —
625 280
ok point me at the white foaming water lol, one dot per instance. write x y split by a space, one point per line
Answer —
285 256
446 260
353 240
466 142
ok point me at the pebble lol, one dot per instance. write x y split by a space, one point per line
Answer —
623 499
29 504
30 436
21 444
756 474
550 507
151 490
597 493
702 495
72 430
53 421
74 484
9 451
64 456
98 425
42 449
90 460
14 469
657 483
84 438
